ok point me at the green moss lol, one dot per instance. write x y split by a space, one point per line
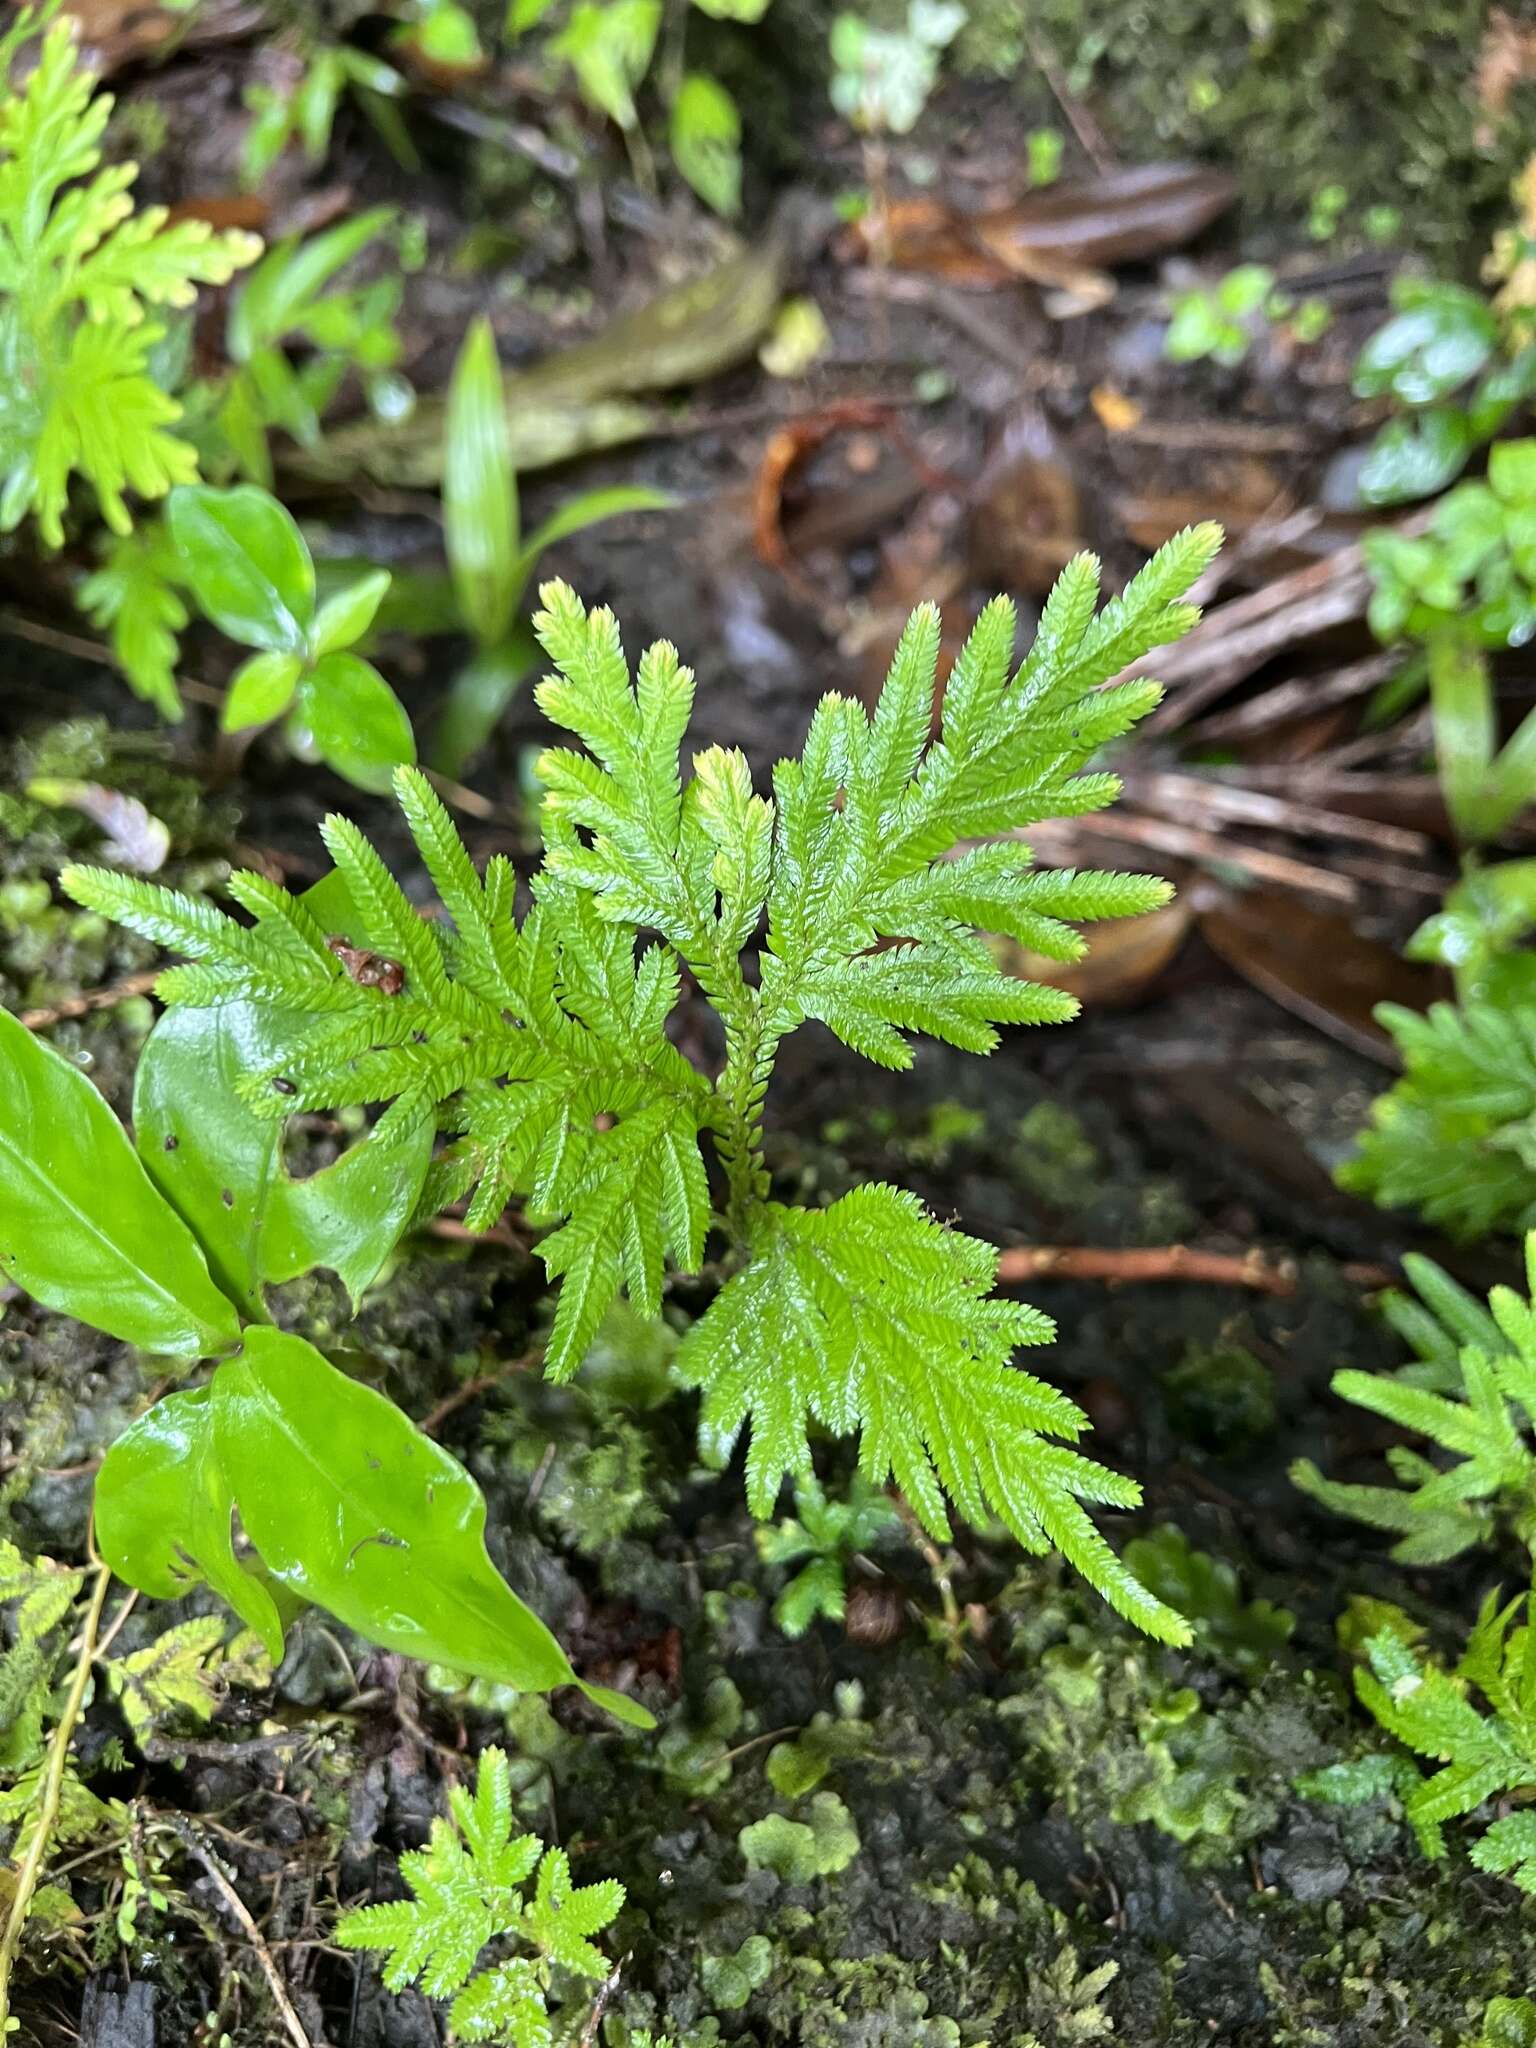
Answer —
1295 95
1055 1158
1220 1398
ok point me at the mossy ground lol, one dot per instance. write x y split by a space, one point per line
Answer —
1064 1834
1033 1826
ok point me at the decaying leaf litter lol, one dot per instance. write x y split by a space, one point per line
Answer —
1040 1828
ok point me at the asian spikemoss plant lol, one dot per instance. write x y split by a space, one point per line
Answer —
856 896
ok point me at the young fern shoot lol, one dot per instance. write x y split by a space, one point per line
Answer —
541 1046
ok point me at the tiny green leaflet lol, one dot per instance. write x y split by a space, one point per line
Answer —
245 561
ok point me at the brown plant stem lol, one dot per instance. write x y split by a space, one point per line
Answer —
1142 1263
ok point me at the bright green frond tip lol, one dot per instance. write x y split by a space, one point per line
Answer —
1479 1416
468 1889
81 276
868 881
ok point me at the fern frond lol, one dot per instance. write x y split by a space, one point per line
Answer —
593 1116
1451 1138
869 1316
1485 1419
542 1044
79 272
868 816
1479 1754
467 1890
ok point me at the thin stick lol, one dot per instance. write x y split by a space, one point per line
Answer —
95 652
116 1626
482 1383
1188 842
1171 794
1147 1262
90 999
52 1792
241 1913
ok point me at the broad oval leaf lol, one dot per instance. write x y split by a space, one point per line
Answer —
260 690
82 1228
346 615
1441 335
480 513
221 1165
356 722
247 564
1415 457
163 1509
352 1508
706 141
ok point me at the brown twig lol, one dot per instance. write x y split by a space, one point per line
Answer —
606 1992
90 999
1188 842
240 1912
473 1388
1141 1263
1087 130
95 651
1170 793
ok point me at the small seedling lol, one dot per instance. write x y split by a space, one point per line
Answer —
469 1890
85 282
490 561
539 1046
1221 322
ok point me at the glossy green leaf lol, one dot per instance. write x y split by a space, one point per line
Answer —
1414 458
351 1507
82 1228
357 723
1441 335
222 1166
480 514
609 44
344 618
481 692
247 564
734 10
163 1514
1512 471
260 690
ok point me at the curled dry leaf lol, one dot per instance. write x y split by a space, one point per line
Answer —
1122 962
1059 236
1318 965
